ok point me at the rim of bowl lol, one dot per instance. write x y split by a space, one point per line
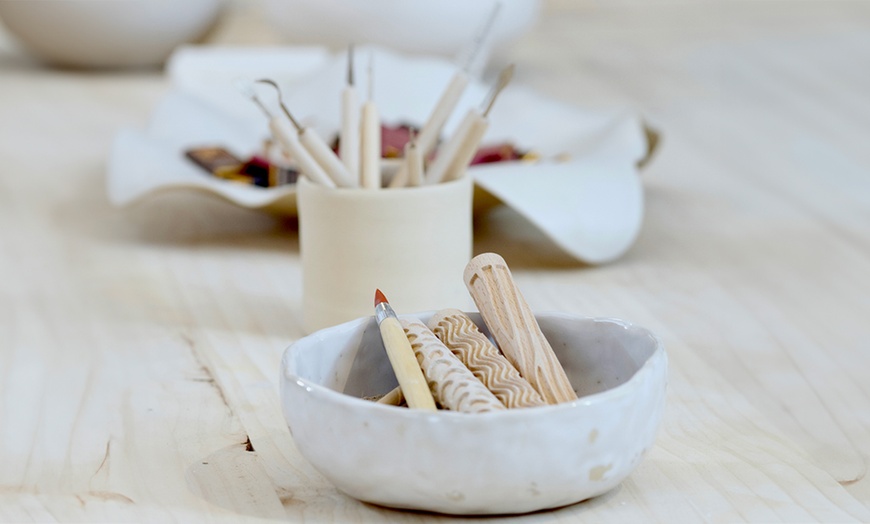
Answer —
322 392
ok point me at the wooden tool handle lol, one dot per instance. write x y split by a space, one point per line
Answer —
370 143
460 334
514 327
469 148
289 140
393 398
327 159
447 152
350 130
404 363
451 383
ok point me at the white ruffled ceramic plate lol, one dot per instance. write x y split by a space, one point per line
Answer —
591 205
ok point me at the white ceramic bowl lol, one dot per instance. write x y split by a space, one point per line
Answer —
442 27
107 33
513 461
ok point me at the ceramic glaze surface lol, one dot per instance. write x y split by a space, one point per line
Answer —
513 461
105 33
409 242
416 26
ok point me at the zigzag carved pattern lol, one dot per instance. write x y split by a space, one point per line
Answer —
461 336
451 383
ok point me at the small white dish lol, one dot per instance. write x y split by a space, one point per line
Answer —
419 26
508 462
107 33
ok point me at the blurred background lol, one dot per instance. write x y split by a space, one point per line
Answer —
751 262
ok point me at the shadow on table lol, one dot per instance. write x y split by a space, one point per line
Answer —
189 218
574 511
504 231
176 219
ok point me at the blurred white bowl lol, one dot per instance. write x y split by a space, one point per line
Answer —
512 461
107 33
441 27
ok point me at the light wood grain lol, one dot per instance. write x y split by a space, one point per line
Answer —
394 397
452 384
460 334
513 325
402 355
140 348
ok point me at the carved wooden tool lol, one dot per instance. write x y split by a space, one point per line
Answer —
451 383
460 334
514 327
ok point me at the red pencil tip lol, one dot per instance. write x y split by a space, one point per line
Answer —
379 297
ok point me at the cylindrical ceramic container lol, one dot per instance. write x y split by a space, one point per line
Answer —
411 243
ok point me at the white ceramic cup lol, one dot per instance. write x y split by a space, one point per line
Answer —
411 243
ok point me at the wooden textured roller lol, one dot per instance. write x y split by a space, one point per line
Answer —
451 383
460 334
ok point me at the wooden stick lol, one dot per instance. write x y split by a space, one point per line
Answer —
393 398
289 139
412 174
350 123
431 130
446 104
314 144
402 357
447 153
451 383
460 334
455 156
514 327
415 164
471 142
286 137
370 167
326 157
467 150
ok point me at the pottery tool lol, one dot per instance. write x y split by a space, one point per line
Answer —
393 398
473 55
350 122
446 104
454 156
449 150
414 162
431 130
289 139
315 145
461 335
514 327
451 383
411 170
370 164
408 372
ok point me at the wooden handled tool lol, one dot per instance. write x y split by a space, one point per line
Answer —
460 334
402 357
514 327
393 398
451 383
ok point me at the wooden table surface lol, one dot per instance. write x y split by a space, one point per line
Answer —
139 347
